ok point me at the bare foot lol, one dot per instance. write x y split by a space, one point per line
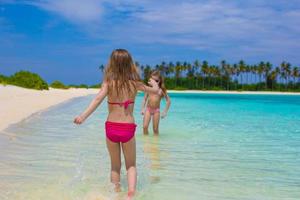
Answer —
117 187
130 195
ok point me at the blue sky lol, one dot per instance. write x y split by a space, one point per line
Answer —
67 40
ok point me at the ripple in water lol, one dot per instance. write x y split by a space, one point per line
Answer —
210 147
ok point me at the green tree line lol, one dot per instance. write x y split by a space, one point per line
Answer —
194 76
31 80
225 76
25 79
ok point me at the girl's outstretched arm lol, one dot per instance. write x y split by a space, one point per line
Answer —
168 104
93 105
144 103
154 89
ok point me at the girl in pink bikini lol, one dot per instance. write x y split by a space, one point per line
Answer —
151 104
120 85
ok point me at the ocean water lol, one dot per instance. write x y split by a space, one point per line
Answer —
211 146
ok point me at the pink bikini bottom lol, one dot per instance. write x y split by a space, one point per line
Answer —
153 110
119 132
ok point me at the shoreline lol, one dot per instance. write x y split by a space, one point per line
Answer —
17 104
233 92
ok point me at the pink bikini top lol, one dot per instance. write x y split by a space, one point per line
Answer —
125 103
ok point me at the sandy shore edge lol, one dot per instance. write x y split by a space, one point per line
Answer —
16 103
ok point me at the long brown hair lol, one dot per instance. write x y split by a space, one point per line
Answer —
121 73
161 83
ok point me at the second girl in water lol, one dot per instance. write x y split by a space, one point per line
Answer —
151 104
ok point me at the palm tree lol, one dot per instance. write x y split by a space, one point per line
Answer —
101 67
209 73
204 70
273 77
242 68
260 70
236 71
171 69
277 70
137 64
223 71
147 73
212 74
285 72
298 68
299 75
288 73
162 68
228 71
157 67
177 72
254 70
217 74
184 67
267 69
190 70
197 67
247 70
190 74
295 74
282 73
142 70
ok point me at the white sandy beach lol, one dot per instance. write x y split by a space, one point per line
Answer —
18 103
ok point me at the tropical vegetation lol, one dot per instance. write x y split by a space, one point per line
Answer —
31 80
78 86
25 79
263 76
58 85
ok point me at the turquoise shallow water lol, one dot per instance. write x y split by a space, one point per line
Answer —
211 146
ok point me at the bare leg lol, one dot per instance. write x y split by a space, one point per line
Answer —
155 121
115 157
147 118
129 152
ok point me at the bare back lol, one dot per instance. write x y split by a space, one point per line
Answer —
118 113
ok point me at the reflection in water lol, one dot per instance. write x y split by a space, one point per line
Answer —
152 151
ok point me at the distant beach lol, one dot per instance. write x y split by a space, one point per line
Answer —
18 103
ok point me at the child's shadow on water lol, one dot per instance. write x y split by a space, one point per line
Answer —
152 151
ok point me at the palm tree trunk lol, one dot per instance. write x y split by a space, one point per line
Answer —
272 85
227 84
242 81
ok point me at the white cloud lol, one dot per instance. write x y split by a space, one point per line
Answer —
87 11
227 28
223 27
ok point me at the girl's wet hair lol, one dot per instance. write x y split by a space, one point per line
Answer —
121 72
